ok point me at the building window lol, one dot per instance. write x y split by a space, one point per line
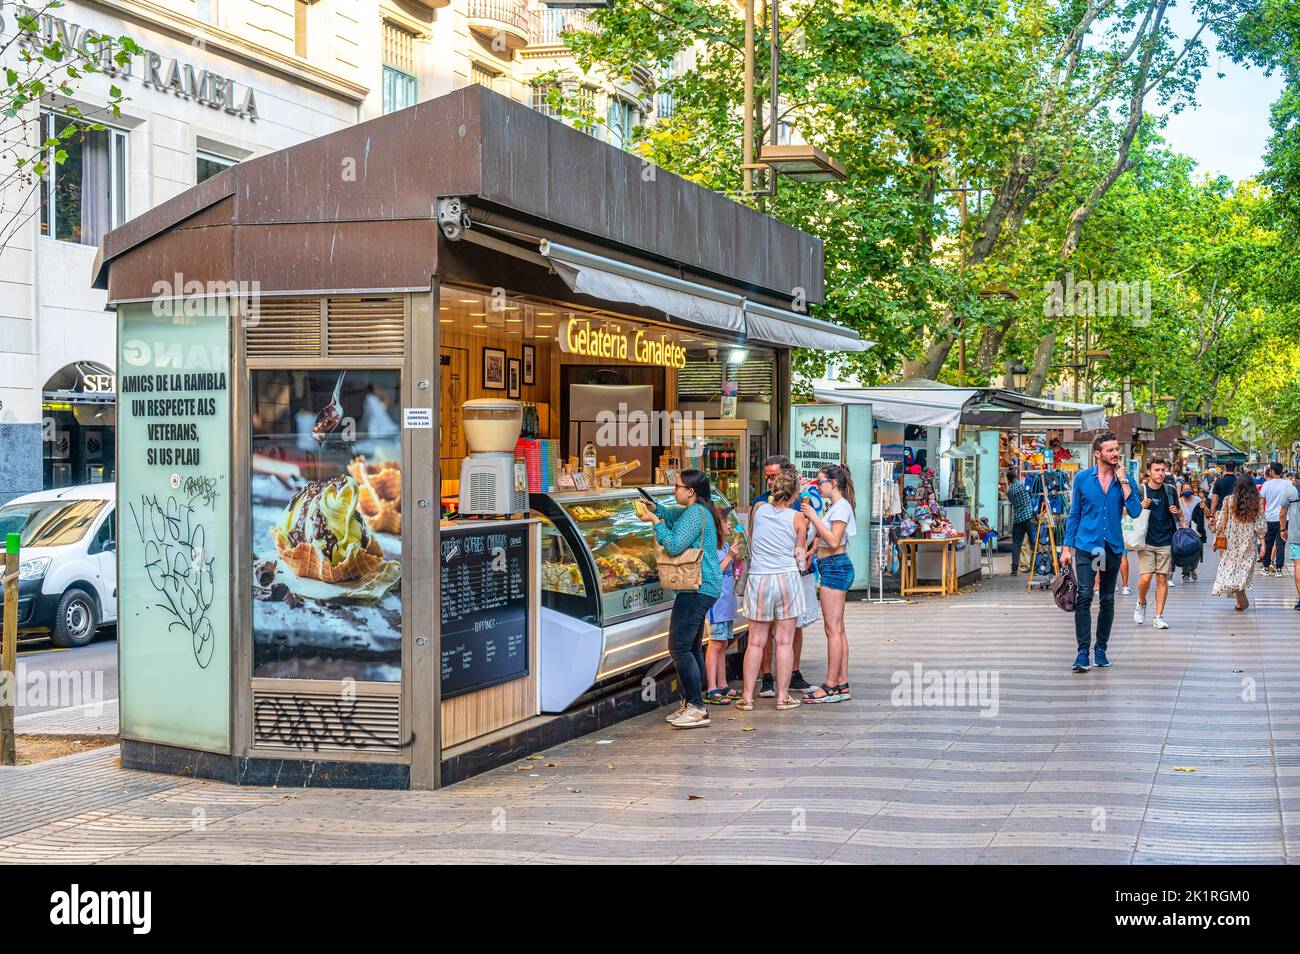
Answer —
482 76
622 119
206 10
586 105
541 99
400 88
208 165
301 8
85 196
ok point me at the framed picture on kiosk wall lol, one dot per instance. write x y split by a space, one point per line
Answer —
514 377
494 369
530 365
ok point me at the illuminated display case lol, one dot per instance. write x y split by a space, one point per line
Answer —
598 558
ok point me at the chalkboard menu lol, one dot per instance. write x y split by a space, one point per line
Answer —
484 607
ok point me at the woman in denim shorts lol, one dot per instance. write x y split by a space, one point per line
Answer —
834 528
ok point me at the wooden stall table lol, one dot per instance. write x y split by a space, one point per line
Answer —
908 548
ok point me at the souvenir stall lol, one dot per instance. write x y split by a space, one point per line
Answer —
927 525
948 448
372 535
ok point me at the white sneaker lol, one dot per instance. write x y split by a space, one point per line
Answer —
1126 592
1172 584
693 717
1140 614
1160 623
674 716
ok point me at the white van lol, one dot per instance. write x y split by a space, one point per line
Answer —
67 577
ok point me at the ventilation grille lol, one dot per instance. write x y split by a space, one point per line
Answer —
283 326
365 326
354 327
702 380
310 721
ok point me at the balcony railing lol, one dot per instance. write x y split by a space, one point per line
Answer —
547 26
512 14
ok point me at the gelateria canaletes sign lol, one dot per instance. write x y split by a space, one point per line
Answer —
580 336
161 72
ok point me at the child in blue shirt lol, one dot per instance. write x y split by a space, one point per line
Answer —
722 620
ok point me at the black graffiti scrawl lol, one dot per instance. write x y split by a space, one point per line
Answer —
179 567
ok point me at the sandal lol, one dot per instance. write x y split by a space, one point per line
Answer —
745 705
842 690
789 702
716 697
733 694
828 694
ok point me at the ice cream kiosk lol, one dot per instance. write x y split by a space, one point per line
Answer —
353 549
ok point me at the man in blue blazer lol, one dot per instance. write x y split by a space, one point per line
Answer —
1101 496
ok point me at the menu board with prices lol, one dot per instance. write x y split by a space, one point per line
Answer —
485 586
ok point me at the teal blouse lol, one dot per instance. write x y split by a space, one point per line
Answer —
680 531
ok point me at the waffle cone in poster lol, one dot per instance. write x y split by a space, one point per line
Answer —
381 493
305 560
322 522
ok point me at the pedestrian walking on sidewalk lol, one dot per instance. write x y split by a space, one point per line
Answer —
1241 521
694 522
774 596
1094 543
1291 532
1193 508
1022 515
1156 558
835 483
1276 493
1222 489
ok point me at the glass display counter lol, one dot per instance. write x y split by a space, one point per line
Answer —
598 567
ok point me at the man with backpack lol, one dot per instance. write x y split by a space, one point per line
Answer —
1156 556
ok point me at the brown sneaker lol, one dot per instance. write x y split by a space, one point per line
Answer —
693 717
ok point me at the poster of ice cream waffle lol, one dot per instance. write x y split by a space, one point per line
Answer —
326 524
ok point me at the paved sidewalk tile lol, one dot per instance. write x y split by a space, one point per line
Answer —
1186 751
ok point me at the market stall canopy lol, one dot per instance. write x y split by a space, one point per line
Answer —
357 211
934 404
915 401
612 280
1220 450
1041 414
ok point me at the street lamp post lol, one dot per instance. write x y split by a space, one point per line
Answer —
1019 376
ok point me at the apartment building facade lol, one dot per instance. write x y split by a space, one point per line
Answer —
220 81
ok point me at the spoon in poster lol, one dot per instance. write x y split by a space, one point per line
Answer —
329 417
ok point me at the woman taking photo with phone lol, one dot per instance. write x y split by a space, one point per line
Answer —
694 522
774 598
835 483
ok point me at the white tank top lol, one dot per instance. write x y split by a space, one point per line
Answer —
772 548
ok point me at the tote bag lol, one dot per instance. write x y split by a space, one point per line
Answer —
681 572
1135 528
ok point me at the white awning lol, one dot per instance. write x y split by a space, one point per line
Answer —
777 326
612 280
908 402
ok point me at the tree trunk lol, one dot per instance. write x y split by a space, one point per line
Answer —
1042 365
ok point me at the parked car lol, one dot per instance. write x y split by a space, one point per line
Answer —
67 577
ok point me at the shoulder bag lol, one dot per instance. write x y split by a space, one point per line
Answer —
743 578
1135 528
682 572
1221 531
1065 588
